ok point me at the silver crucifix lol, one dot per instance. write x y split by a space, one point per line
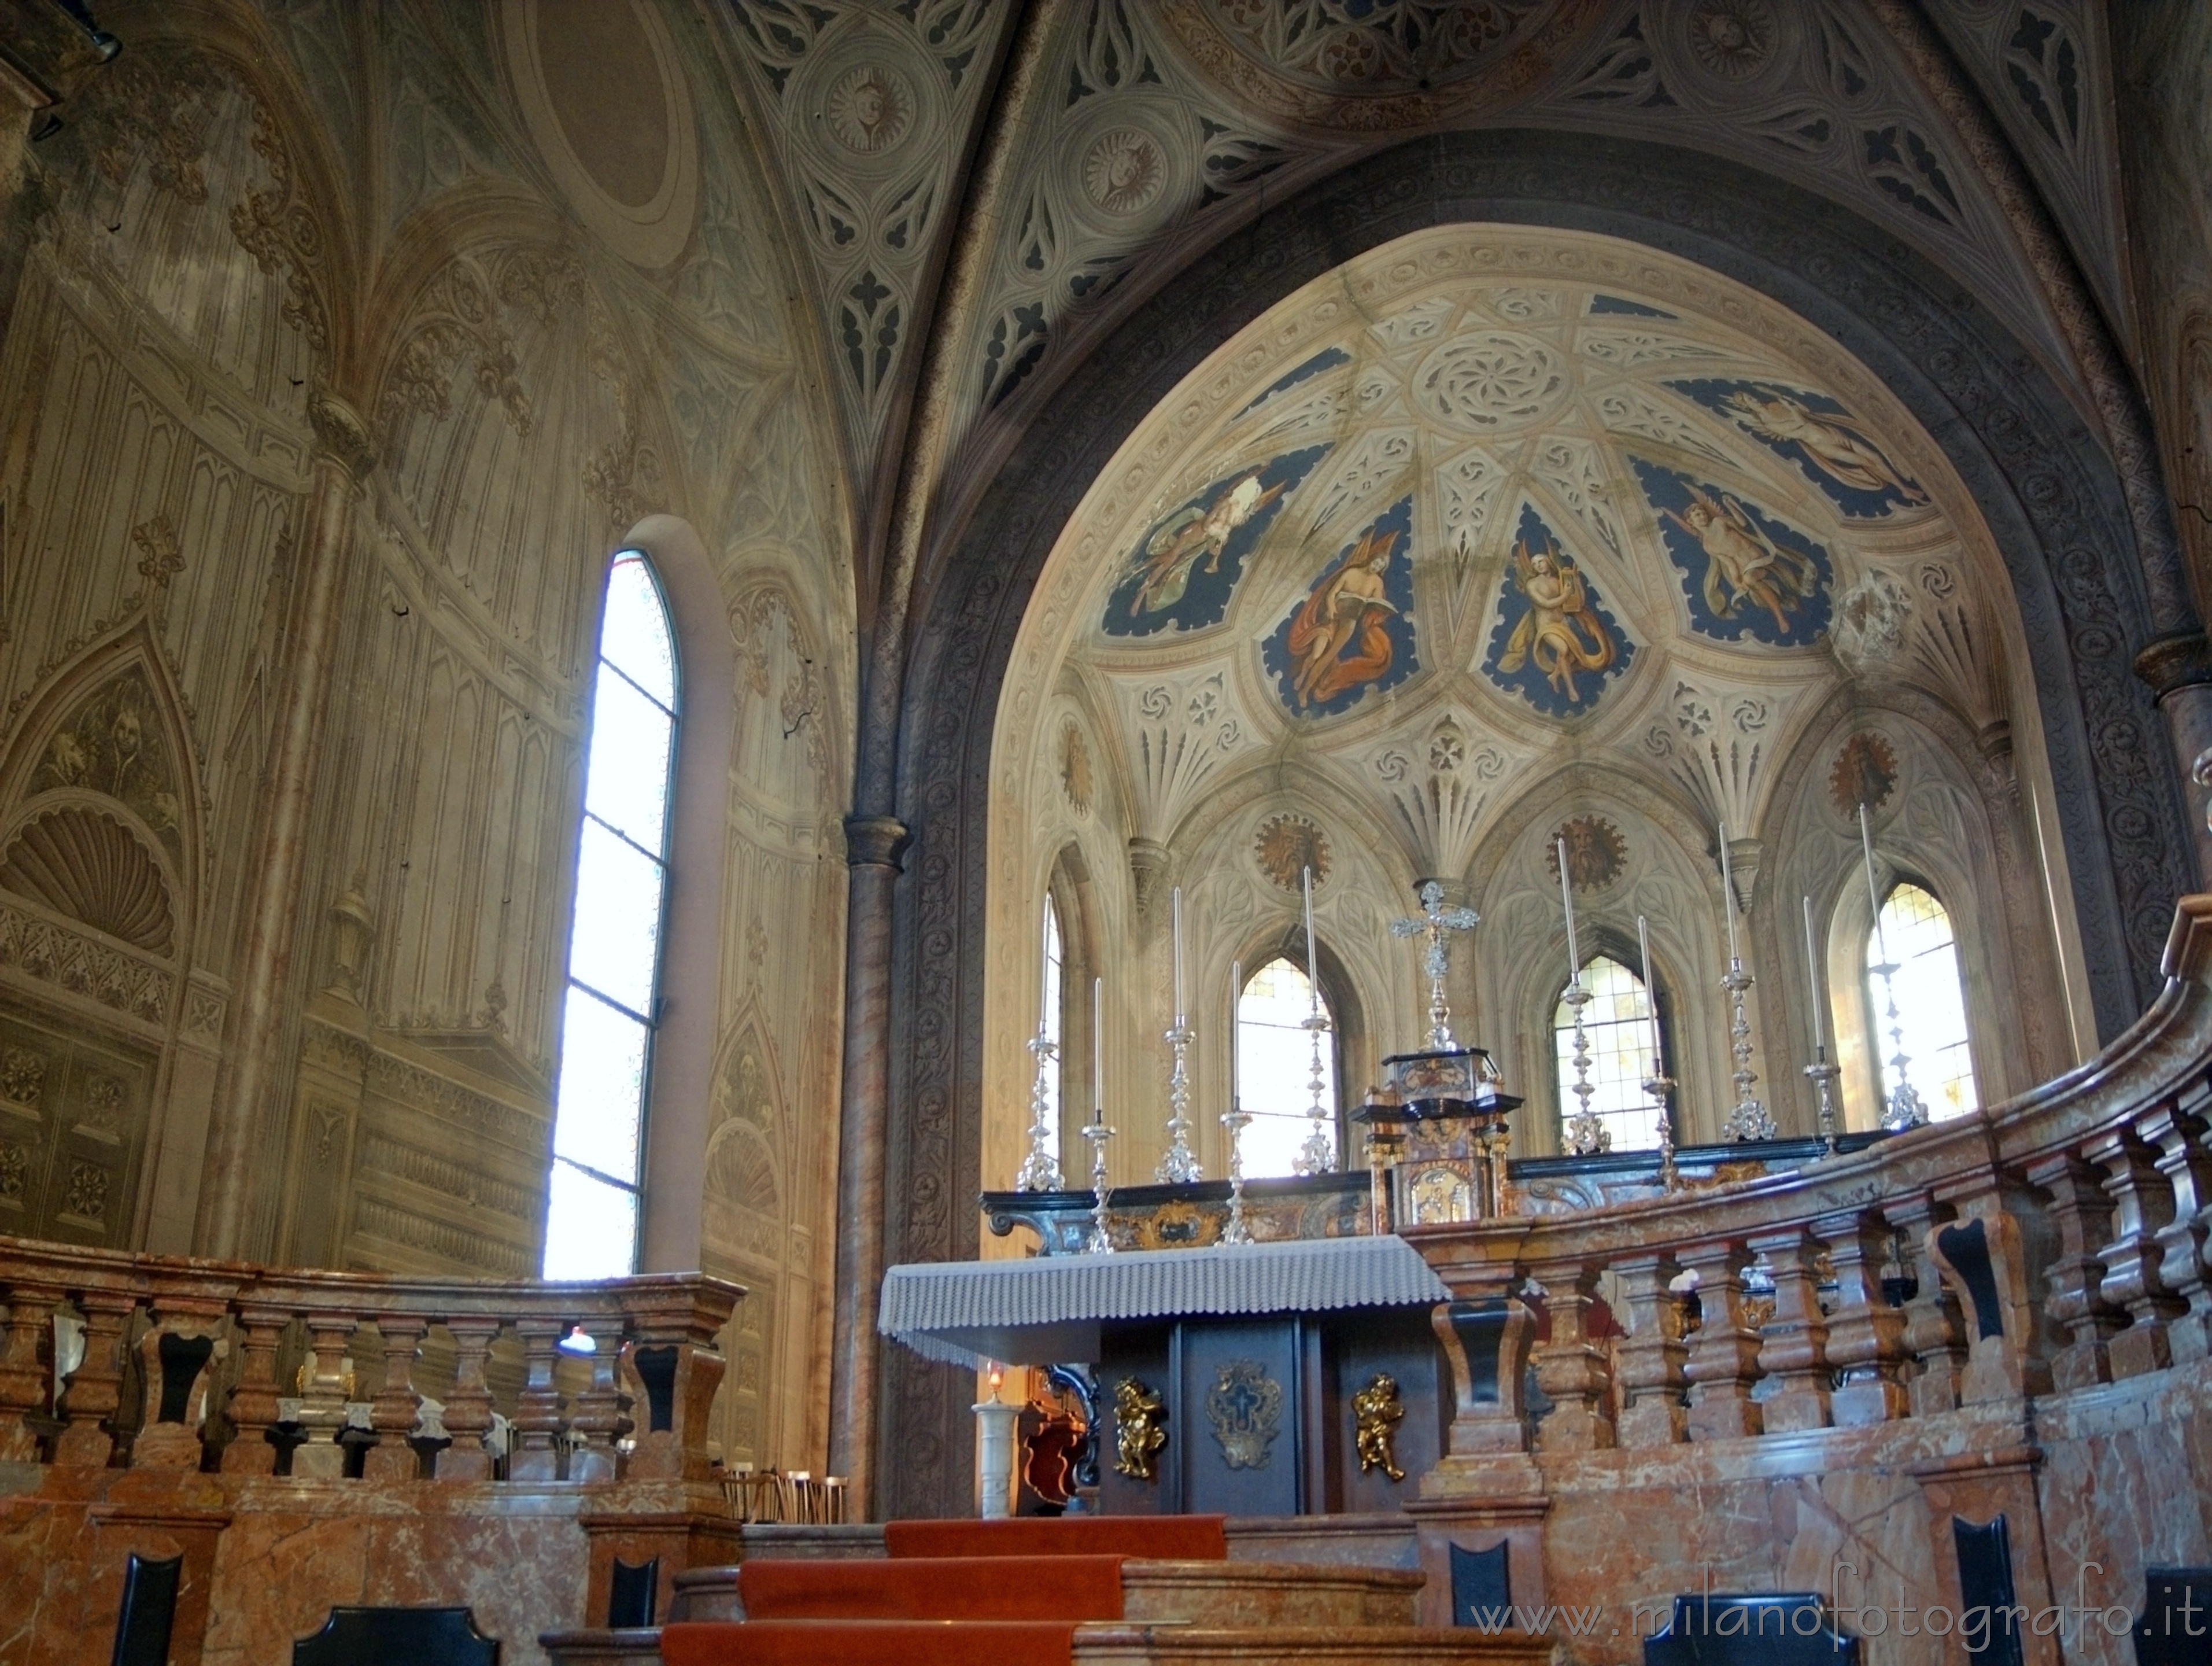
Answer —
1435 919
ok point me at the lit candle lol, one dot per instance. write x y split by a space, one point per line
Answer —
1236 994
1313 967
1728 893
1098 1049
1650 992
1174 902
1567 896
1813 981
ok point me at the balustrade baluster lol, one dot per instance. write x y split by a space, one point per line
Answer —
254 1407
598 1420
25 1390
2177 1136
537 1454
1724 1351
1649 1358
395 1410
2075 1280
1574 1372
1793 1344
1935 1332
467 1407
178 1358
1866 1335
324 1393
2142 1204
95 1387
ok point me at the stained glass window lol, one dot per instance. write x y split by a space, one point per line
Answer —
1931 1017
614 944
1617 1026
1275 1067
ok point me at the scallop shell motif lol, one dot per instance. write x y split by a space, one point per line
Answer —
90 867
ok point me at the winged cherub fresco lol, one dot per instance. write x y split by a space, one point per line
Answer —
1743 569
1834 451
1551 632
1183 572
1354 631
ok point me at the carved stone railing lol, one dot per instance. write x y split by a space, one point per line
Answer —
110 1360
2057 1240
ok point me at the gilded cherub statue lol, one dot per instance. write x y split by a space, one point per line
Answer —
1377 1412
1139 1439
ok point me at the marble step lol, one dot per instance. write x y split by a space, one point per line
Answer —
1122 1643
1189 1593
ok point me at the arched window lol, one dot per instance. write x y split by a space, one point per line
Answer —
614 944
1054 1021
1927 1020
1617 1026
1275 1067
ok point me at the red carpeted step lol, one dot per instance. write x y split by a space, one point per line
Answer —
1154 1538
865 1642
933 1588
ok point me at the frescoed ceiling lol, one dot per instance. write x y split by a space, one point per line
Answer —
1486 503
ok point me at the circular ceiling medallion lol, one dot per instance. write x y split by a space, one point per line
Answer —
1596 852
869 109
1865 773
1492 380
1287 846
1733 39
1124 171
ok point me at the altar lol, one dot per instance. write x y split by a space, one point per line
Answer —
1302 1378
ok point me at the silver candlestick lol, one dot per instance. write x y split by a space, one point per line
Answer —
1040 1171
1659 1085
1233 1120
1096 1131
1823 1075
1749 1120
1317 1155
1904 1108
1587 1134
1179 1167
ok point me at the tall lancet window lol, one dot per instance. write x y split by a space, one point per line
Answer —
614 944
1929 1025
1055 1027
1275 1067
1617 1029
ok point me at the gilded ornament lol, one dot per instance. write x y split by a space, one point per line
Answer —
1245 1406
1287 846
1864 773
1596 852
1377 1412
1075 780
1140 1429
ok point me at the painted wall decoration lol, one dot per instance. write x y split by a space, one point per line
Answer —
1554 644
1327 359
1354 631
1182 573
1818 435
1743 569
1864 773
1286 846
1596 852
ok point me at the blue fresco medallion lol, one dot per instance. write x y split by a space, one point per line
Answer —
1820 436
1353 634
1554 643
1743 570
1183 571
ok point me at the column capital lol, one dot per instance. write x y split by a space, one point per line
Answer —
876 842
2179 659
341 434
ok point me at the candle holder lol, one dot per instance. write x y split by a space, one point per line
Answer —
1318 1154
1660 1085
1233 1120
1179 1167
1749 1120
1101 1243
1904 1108
1587 1134
1823 1075
1040 1171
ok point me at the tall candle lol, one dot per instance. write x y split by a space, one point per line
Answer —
1236 994
1650 992
1567 896
1874 896
1174 902
1044 985
1813 980
1313 967
1098 1049
1728 893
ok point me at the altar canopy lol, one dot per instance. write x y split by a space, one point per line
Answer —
1046 1309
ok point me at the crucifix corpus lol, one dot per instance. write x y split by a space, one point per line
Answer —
1433 921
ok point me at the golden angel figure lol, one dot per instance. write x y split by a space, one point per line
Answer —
1741 563
1561 633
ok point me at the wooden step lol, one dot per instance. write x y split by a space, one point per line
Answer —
1203 1593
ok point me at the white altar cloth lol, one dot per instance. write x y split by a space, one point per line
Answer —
1047 1309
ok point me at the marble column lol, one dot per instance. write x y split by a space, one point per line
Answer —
874 845
239 1126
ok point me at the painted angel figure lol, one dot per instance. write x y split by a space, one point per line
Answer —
1561 633
1742 563
1344 615
1196 534
1834 446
